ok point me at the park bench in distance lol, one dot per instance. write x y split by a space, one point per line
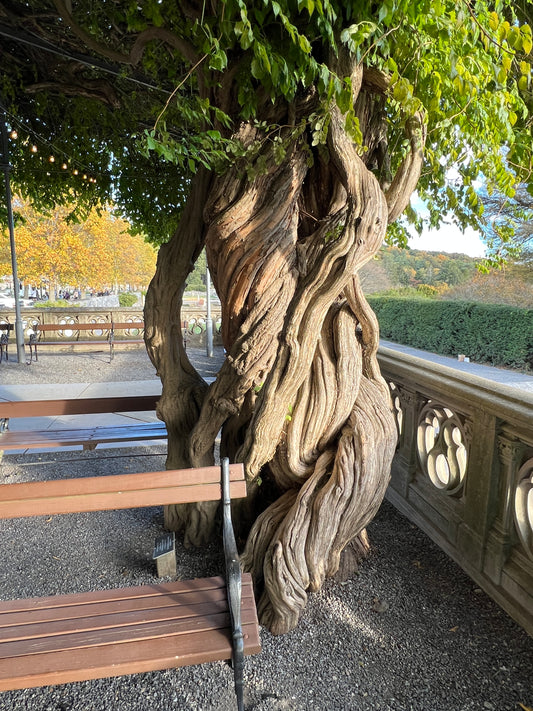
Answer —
109 330
5 329
77 637
88 437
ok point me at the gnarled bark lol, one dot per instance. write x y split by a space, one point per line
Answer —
299 399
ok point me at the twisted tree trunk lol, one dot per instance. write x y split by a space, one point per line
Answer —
299 398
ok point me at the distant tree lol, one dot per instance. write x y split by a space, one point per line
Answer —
411 267
196 279
98 252
496 287
375 277
509 228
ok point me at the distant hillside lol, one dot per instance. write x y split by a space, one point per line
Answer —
395 268
451 277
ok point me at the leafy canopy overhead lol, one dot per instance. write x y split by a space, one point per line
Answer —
138 95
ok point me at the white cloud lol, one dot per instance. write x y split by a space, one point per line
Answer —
449 238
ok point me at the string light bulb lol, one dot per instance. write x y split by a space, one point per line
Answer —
34 148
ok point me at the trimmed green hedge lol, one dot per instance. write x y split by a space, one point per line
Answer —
127 299
487 333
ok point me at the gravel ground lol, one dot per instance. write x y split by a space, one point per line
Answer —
409 632
82 367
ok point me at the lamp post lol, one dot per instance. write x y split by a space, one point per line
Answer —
209 324
4 165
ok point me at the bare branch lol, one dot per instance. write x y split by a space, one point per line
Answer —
153 33
100 91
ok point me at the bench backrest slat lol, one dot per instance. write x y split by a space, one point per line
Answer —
121 491
49 327
129 325
78 406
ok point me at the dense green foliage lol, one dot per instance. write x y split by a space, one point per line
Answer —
127 299
509 231
153 105
411 273
488 333
197 278
53 304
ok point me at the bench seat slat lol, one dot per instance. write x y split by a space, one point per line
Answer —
96 326
113 629
32 439
121 491
156 591
82 608
111 652
72 342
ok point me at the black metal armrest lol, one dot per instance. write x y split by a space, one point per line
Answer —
234 585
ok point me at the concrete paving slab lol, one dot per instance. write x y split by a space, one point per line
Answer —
132 387
42 391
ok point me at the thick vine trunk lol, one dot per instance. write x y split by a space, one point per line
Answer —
299 399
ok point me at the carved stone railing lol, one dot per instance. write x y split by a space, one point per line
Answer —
463 473
194 321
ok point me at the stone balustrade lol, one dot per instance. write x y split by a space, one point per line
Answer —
194 321
463 473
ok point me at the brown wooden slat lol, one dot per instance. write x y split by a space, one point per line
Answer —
121 491
128 325
111 652
105 629
79 615
132 658
118 628
80 608
78 406
30 439
69 341
209 617
197 586
49 327
29 620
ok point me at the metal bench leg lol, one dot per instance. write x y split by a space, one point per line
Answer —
234 586
3 346
33 347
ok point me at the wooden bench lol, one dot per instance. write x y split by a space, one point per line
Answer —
88 437
109 330
76 637
5 329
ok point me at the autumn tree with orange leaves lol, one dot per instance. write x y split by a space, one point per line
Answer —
98 253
